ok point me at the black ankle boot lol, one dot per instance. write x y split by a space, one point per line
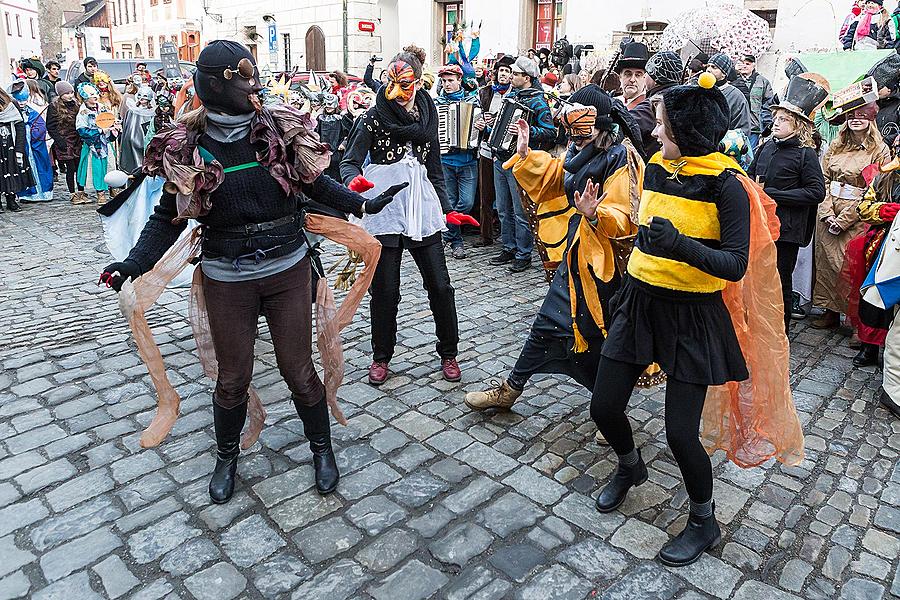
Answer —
317 427
12 203
625 478
867 356
699 535
228 423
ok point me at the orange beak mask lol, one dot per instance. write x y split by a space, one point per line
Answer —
401 82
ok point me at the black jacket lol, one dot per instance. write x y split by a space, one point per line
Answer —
645 115
888 118
792 176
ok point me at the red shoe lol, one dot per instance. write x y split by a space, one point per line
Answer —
378 373
450 369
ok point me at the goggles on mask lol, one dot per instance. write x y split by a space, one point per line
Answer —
245 69
401 82
578 121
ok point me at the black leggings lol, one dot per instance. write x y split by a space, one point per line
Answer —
684 407
71 171
786 253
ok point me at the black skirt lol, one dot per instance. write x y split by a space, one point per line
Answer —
690 336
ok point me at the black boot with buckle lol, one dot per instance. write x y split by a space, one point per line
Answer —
228 422
317 427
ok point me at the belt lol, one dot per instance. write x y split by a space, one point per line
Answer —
846 191
252 228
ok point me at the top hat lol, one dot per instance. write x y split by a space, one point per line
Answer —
805 94
634 56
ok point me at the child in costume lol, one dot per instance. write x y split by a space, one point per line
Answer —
702 222
61 116
96 143
333 128
134 129
37 154
599 177
14 166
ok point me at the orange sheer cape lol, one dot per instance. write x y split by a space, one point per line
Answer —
136 298
755 420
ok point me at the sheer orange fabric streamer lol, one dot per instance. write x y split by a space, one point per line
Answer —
755 420
135 299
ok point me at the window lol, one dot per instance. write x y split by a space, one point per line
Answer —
115 18
149 46
18 26
8 28
31 23
175 40
453 14
104 44
547 23
133 11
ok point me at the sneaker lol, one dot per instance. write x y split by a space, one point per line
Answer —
378 373
519 265
450 369
797 311
501 396
601 441
458 252
504 257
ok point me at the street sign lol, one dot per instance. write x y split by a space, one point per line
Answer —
273 38
367 26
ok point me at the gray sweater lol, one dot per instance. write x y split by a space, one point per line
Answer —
739 110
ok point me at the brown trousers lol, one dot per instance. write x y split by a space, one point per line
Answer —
285 299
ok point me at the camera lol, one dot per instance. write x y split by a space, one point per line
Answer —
375 58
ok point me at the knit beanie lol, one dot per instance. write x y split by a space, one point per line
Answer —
722 62
528 66
63 87
90 60
698 115
212 62
665 67
593 95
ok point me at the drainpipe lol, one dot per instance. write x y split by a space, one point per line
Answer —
346 40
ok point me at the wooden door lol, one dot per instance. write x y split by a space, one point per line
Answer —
315 49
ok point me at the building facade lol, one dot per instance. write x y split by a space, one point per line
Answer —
21 28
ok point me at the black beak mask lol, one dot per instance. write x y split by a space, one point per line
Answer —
226 78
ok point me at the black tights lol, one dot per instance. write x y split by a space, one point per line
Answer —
684 407
71 171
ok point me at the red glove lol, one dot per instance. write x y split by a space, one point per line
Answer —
888 211
870 172
360 184
458 218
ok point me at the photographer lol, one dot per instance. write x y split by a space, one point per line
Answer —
370 70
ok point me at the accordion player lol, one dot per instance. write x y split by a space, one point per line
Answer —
455 126
501 140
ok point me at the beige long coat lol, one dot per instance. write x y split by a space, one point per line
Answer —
844 186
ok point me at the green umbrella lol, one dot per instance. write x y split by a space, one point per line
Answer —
842 68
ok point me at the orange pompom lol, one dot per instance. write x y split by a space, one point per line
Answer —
706 80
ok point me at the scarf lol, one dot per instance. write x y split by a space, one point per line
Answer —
865 24
500 89
228 128
402 126
456 96
10 114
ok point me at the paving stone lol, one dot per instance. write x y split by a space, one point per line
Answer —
555 583
45 475
794 575
11 557
279 574
147 489
647 580
837 560
595 559
219 582
861 589
710 575
450 470
250 541
327 539
509 513
73 586
460 544
411 457
135 466
519 561
354 458
579 510
486 459
338 582
151 543
416 489
71 556
16 585
364 482
159 589
190 557
217 516
12 466
880 543
753 590
639 539
387 550
21 514
8 494
287 485
475 493
414 581
147 515
304 509
374 514
78 490
450 441
531 483
430 523
388 440
115 576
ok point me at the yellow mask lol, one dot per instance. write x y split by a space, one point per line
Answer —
401 82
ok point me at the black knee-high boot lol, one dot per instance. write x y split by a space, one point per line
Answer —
317 427
228 423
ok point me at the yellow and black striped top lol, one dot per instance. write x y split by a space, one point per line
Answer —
709 207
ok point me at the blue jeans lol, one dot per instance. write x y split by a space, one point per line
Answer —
754 140
515 230
461 183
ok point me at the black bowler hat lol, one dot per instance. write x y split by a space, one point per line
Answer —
634 56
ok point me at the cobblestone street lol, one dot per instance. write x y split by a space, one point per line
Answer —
434 501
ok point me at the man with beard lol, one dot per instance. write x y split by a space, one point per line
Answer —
255 256
663 72
631 69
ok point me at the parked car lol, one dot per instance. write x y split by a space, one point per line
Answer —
120 69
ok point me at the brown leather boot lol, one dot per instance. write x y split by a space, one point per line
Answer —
101 198
828 320
501 396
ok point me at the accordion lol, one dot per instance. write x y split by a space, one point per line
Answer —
455 126
501 140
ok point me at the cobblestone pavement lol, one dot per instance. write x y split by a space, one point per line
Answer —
435 501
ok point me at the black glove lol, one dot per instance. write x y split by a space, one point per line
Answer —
115 274
662 234
375 205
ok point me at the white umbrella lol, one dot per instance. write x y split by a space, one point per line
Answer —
720 27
